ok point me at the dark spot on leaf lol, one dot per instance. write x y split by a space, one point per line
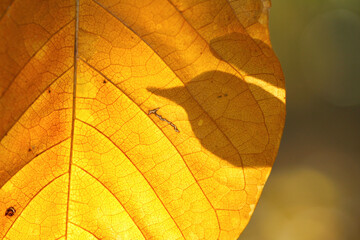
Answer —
104 81
29 150
219 96
49 91
10 211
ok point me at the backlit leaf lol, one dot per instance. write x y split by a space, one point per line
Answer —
139 119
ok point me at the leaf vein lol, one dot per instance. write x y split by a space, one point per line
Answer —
206 113
193 176
37 193
31 57
108 189
73 113
18 118
136 169
8 8
84 230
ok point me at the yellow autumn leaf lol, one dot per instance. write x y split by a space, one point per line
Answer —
124 119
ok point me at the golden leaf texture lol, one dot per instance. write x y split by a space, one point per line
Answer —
135 119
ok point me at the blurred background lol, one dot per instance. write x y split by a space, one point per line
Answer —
313 192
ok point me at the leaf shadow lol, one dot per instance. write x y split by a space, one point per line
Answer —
211 92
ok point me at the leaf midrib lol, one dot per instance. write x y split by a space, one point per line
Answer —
73 112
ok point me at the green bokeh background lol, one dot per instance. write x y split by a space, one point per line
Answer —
313 192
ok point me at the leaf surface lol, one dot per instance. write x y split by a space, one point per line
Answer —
135 119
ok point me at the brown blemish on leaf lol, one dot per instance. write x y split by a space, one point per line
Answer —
10 212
